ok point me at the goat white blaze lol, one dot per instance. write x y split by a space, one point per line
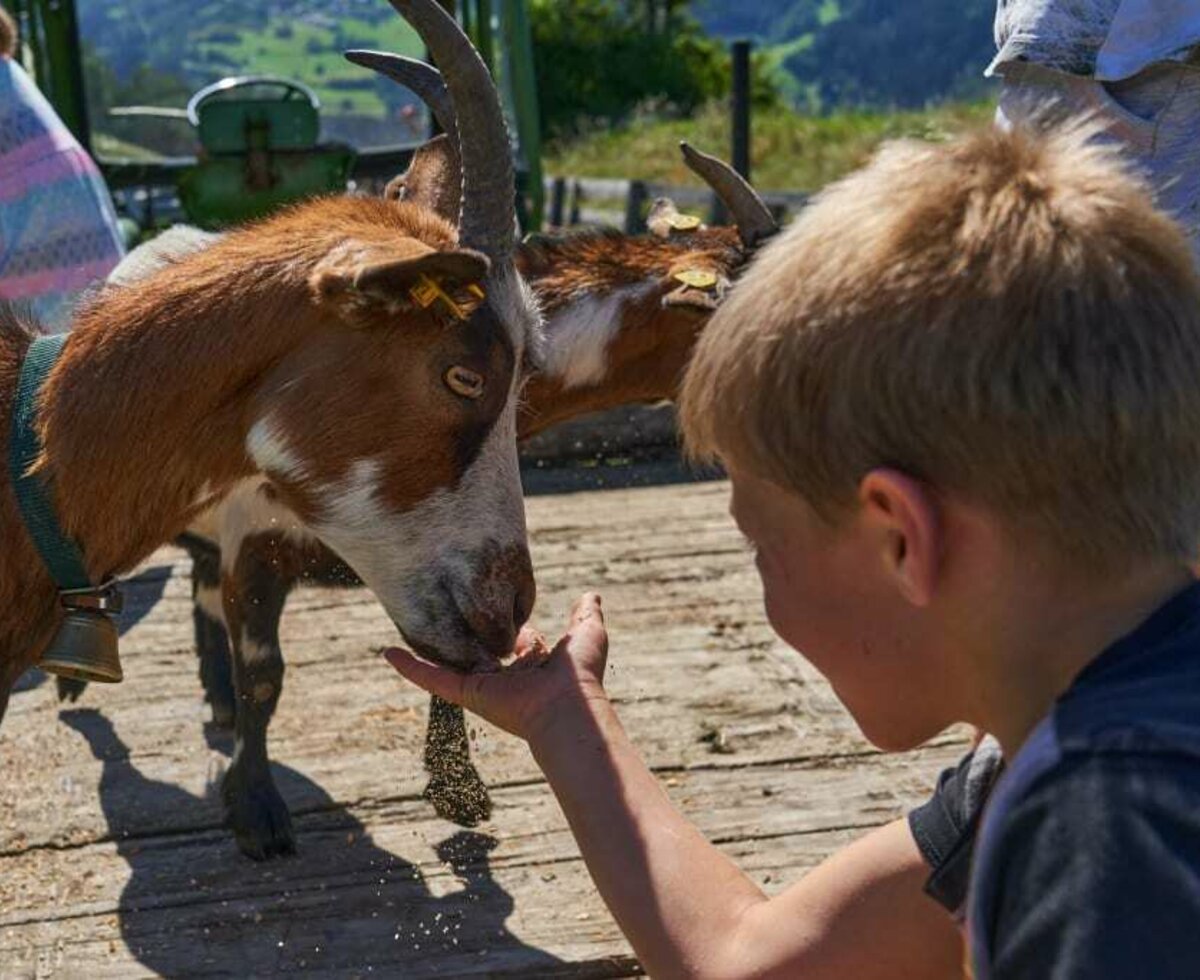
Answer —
254 653
420 560
209 602
580 334
268 447
250 509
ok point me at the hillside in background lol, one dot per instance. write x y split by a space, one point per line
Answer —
837 53
826 56
829 53
789 151
160 51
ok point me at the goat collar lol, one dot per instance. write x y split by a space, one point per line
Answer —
60 554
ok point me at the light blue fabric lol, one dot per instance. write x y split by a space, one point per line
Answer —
1153 116
1103 39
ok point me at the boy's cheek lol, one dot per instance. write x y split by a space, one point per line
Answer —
782 608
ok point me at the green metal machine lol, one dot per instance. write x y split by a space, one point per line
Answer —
260 150
259 136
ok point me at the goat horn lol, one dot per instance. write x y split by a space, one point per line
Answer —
487 220
751 214
422 79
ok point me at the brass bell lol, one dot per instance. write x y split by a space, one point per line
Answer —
85 646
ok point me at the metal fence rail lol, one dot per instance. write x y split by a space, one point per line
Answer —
624 203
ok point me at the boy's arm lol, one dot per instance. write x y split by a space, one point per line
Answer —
687 910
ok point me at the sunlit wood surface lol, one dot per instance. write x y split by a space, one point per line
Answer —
114 863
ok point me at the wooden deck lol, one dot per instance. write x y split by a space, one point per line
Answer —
113 862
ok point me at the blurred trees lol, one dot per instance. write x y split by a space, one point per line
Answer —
881 53
598 60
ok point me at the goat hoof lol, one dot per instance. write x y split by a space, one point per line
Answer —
460 797
259 818
69 689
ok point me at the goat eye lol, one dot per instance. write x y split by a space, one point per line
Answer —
465 382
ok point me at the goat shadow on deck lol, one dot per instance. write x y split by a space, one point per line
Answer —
194 906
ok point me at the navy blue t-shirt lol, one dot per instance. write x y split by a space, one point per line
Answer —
1087 862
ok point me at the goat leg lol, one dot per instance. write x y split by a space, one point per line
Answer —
254 594
455 788
208 622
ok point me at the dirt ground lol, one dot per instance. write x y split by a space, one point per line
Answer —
114 862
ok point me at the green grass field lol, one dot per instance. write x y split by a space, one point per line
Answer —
313 54
790 151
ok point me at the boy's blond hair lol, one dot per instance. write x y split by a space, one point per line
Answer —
1006 317
8 34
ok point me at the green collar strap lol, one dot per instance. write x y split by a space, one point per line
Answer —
60 554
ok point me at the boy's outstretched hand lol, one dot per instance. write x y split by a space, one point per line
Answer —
539 685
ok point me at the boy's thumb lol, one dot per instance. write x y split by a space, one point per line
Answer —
433 679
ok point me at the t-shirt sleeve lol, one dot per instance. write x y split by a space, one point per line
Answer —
1099 873
945 826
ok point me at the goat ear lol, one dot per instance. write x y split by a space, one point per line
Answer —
433 179
665 219
396 277
359 276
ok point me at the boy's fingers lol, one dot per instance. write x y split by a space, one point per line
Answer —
586 625
586 607
446 684
529 640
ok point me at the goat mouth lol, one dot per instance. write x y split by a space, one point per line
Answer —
477 660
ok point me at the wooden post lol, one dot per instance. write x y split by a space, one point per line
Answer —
576 203
740 111
558 201
635 205
741 107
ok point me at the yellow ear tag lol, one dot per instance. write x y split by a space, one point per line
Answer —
684 222
697 279
428 291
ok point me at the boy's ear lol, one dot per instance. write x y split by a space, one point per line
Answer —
433 179
390 274
906 515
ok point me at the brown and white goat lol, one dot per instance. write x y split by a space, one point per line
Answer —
297 367
289 357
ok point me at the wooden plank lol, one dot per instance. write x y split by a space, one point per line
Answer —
368 881
113 861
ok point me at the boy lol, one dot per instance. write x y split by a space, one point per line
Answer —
958 403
